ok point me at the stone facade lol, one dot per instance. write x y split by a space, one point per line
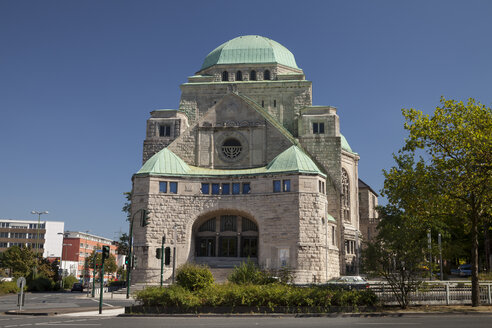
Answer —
226 188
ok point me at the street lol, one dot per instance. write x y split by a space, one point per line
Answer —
448 321
61 300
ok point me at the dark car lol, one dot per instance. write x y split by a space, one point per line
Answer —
77 287
349 282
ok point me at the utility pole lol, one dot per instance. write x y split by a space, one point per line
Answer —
162 259
105 255
37 238
429 243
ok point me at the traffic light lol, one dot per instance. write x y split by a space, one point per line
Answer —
127 260
158 254
134 262
167 256
105 252
145 218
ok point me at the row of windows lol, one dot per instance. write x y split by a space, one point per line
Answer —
252 75
21 235
349 246
31 226
32 245
225 188
279 186
233 188
173 187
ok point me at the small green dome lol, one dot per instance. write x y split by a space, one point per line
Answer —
248 49
345 144
293 160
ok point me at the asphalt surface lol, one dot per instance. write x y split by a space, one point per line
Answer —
62 302
431 321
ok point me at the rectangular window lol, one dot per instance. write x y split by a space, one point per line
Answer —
246 188
164 131
333 235
277 186
173 187
163 186
226 188
274 103
236 188
286 185
318 128
205 188
215 188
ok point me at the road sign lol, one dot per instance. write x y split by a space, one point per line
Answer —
21 282
98 250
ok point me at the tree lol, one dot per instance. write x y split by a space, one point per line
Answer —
109 263
20 261
123 244
452 176
128 205
397 253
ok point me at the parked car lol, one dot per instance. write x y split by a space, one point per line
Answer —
349 282
465 270
77 287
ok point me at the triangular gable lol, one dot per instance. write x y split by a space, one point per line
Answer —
232 112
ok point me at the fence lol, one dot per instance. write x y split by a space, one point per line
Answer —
436 293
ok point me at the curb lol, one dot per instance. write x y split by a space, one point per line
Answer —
301 315
57 311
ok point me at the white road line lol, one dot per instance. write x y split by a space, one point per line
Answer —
107 304
388 323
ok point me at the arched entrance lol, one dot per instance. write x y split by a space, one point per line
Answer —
225 236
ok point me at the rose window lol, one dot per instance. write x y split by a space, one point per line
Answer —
231 148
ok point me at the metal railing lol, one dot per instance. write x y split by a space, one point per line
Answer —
444 293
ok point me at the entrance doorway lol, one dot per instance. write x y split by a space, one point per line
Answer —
231 236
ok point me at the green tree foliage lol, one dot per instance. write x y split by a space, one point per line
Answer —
127 207
123 244
397 253
109 263
443 174
20 261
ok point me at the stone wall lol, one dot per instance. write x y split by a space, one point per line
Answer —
296 223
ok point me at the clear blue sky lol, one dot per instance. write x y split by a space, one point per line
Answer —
79 78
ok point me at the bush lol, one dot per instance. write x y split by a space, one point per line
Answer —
69 281
8 287
194 277
271 296
246 273
40 284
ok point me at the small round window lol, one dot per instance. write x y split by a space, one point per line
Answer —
231 148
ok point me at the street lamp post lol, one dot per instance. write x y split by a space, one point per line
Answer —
37 235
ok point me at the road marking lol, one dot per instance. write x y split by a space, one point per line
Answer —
107 304
388 323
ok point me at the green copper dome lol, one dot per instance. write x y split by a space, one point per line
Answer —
345 145
293 160
250 49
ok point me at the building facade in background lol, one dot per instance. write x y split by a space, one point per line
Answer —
248 167
46 237
77 246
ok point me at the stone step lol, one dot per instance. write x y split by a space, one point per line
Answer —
221 274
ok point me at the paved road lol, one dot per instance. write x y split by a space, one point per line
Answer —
60 300
430 321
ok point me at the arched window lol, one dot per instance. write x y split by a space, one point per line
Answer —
227 236
231 148
225 76
239 76
345 196
252 76
266 75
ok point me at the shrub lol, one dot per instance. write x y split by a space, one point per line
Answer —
194 277
246 273
40 284
271 296
8 287
69 281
